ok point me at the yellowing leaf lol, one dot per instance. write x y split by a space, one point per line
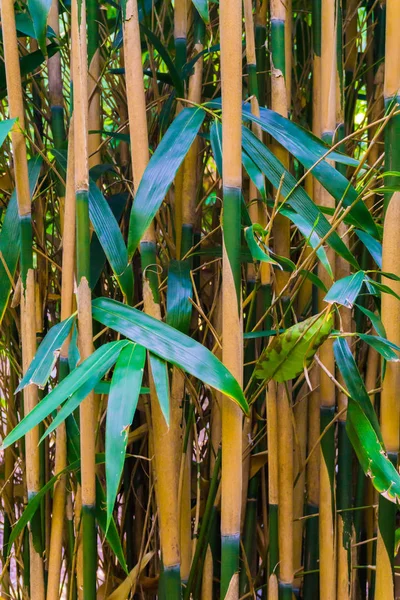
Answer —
294 349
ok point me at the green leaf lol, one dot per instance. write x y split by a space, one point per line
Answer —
28 63
45 358
117 204
354 383
256 251
111 240
310 234
109 528
161 171
375 320
371 454
372 245
375 287
159 372
382 345
255 175
296 197
308 150
24 24
39 10
345 290
202 9
216 144
87 374
122 403
171 345
10 236
293 350
35 502
179 291
5 128
169 63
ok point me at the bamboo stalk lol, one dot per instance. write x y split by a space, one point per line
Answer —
389 412
87 410
163 440
390 420
327 542
67 301
28 325
94 89
180 32
232 345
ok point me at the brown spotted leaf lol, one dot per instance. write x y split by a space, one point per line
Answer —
294 349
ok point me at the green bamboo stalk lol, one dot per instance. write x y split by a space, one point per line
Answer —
261 55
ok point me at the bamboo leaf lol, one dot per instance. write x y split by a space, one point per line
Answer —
293 350
45 358
255 175
375 320
122 402
256 251
5 128
371 454
296 197
169 344
179 291
111 240
385 348
202 9
309 150
372 245
345 290
159 372
109 528
161 172
39 11
354 383
10 236
87 374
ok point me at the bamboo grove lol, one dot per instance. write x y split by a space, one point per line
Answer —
199 299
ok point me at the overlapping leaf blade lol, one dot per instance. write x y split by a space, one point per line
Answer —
87 374
122 402
45 358
297 197
169 344
161 172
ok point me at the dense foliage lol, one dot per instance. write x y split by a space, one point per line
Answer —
199 299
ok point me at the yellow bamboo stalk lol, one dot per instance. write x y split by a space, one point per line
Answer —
328 80
300 417
67 301
390 408
164 443
232 335
272 436
28 325
85 337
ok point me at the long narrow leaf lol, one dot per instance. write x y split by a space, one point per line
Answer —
122 403
161 172
171 345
